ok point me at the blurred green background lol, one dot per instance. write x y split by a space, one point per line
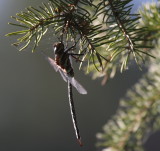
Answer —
34 109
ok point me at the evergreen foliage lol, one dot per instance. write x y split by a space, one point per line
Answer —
108 37
151 20
104 32
138 115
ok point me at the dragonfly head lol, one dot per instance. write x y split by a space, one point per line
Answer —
58 48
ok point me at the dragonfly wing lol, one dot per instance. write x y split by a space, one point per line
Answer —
63 75
77 85
70 59
73 81
66 77
57 68
52 63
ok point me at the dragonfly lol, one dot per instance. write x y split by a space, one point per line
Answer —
63 64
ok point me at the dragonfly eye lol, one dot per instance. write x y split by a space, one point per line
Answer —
58 48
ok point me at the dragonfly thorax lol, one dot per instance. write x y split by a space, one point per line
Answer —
58 48
62 59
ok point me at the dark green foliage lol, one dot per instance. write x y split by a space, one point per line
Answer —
151 20
105 32
138 115
123 39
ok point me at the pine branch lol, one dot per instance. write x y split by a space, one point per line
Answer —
105 32
69 20
138 115
151 21
123 37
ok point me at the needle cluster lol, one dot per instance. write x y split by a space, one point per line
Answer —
105 32
138 115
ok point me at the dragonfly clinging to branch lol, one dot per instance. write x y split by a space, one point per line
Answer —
62 63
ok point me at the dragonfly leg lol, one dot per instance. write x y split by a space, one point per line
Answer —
77 59
69 49
75 54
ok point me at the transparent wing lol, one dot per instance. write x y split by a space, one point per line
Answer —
51 62
77 85
56 67
63 75
73 81
66 77
70 59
